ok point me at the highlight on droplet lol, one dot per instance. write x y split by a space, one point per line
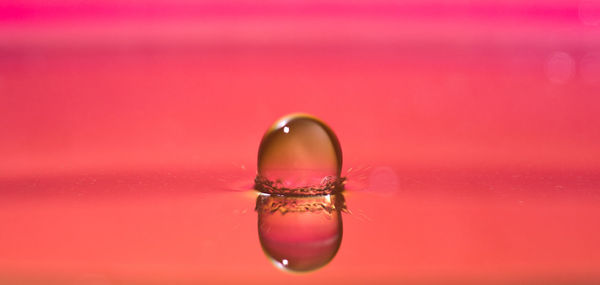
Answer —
300 233
299 155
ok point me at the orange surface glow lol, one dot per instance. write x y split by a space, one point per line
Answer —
129 134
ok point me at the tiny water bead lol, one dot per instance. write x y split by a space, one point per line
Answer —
299 155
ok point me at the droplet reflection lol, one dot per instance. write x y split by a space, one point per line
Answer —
300 233
299 155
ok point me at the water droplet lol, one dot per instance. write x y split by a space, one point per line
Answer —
383 181
304 237
299 155
560 67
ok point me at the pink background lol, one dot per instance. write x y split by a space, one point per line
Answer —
138 112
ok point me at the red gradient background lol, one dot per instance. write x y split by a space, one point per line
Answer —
129 129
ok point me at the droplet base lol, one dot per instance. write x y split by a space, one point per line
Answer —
328 185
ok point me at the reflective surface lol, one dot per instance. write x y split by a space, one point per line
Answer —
427 227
